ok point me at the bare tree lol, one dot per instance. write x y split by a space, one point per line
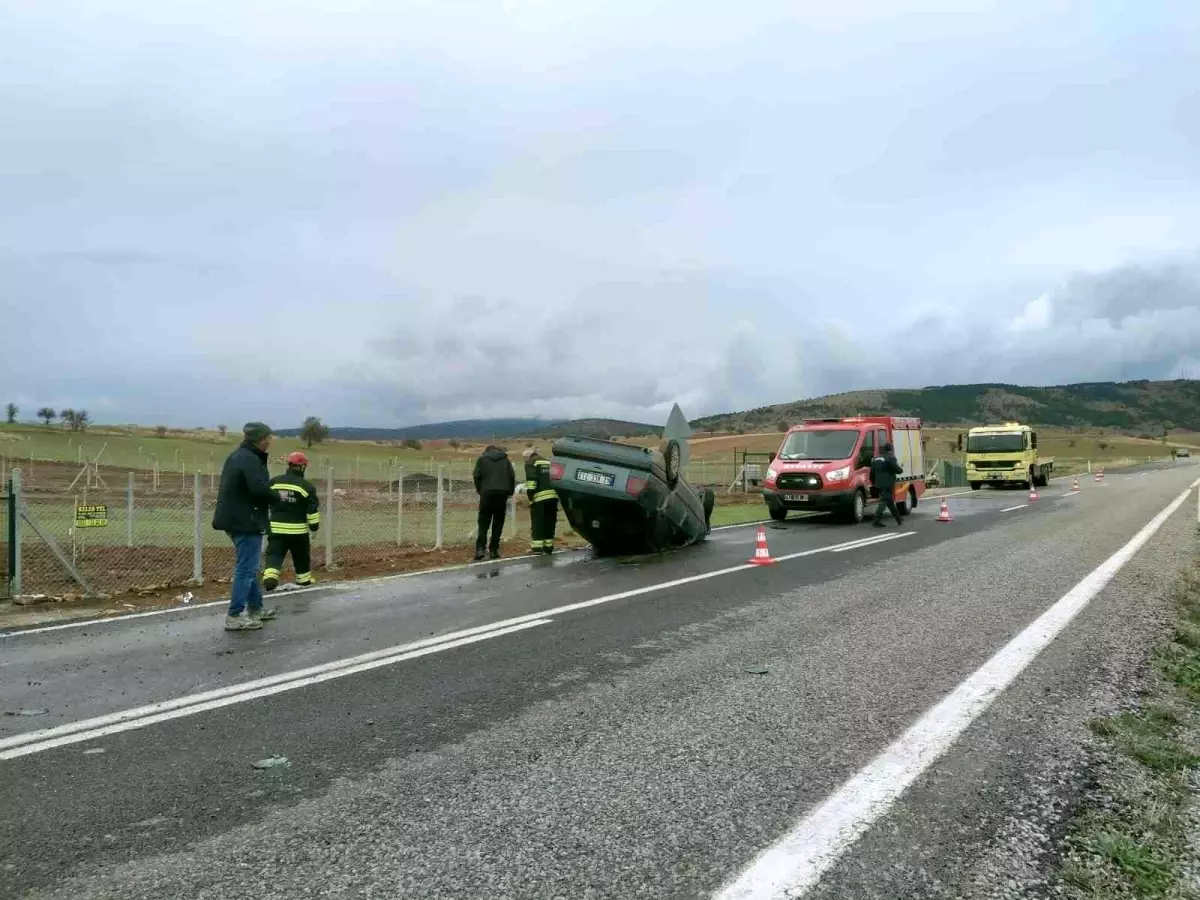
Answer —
160 430
222 430
47 415
76 419
10 413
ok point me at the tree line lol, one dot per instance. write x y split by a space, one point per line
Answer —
75 419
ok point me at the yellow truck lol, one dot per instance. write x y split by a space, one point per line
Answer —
1005 454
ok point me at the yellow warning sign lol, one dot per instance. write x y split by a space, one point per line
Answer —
91 516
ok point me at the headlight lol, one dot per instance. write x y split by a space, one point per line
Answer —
772 474
838 474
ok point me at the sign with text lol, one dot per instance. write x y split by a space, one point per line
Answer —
91 516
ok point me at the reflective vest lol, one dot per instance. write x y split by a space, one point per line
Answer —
295 508
537 480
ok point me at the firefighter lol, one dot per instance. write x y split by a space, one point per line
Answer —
295 513
543 502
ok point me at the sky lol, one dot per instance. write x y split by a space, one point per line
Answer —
388 212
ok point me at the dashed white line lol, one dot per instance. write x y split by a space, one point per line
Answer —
796 863
1011 508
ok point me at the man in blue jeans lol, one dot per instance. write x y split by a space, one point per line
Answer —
243 502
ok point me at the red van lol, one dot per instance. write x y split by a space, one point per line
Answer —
825 464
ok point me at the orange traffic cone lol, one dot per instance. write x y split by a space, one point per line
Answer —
762 556
1075 485
1032 493
944 513
1099 474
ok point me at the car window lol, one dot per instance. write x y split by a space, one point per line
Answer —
880 440
866 453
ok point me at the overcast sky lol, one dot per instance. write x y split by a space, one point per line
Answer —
389 211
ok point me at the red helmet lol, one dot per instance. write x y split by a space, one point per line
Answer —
297 459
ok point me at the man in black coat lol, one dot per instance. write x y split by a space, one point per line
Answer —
884 470
243 502
495 482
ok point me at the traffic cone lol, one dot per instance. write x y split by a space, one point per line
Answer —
1032 493
944 513
762 556
1075 485
1099 474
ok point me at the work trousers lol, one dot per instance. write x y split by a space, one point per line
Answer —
887 501
493 508
278 547
543 517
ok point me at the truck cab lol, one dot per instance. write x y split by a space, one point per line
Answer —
1005 454
825 465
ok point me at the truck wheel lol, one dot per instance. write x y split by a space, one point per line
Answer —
778 513
856 511
902 507
976 485
912 498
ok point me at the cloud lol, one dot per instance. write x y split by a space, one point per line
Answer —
385 213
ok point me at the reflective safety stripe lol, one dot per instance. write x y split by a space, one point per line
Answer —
531 485
284 486
314 518
289 528
542 462
306 578
545 495
271 573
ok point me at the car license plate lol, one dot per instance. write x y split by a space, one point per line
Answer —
795 498
596 478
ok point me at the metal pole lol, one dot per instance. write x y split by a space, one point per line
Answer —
327 519
129 512
441 510
14 534
400 506
197 534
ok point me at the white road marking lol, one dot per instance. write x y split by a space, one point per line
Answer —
111 723
1011 508
796 863
80 735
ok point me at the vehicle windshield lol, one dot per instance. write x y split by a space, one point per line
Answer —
1012 442
827 443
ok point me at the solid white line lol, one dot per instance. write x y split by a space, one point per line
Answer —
115 728
797 862
167 709
1011 508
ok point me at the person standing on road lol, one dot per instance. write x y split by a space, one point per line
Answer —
495 482
884 470
242 507
295 513
543 502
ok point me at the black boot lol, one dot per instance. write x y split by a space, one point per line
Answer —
878 523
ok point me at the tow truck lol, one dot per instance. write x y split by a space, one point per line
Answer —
825 464
1005 454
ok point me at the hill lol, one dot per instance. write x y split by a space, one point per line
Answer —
469 429
596 428
1134 407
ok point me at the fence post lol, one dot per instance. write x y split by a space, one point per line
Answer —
441 510
129 511
400 506
197 533
14 534
327 518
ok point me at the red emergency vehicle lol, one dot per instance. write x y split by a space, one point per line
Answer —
825 464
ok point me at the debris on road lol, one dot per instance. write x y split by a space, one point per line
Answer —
756 670
26 712
185 598
271 762
92 751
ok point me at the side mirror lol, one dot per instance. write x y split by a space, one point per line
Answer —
960 442
1033 441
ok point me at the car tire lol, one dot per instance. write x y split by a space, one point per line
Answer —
672 462
778 513
912 498
976 485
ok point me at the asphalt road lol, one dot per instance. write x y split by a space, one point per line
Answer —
572 727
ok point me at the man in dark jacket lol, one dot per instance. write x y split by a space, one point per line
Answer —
495 482
884 470
242 508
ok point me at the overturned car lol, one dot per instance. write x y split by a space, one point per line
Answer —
624 499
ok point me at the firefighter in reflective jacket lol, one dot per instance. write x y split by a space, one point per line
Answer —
295 513
543 502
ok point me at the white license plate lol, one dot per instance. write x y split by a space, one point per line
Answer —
795 498
596 478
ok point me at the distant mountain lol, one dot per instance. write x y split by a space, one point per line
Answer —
1135 407
595 428
468 429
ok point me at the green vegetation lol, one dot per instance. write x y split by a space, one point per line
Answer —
1131 841
1149 408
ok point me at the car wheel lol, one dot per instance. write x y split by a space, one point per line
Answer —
778 513
912 498
976 485
673 456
